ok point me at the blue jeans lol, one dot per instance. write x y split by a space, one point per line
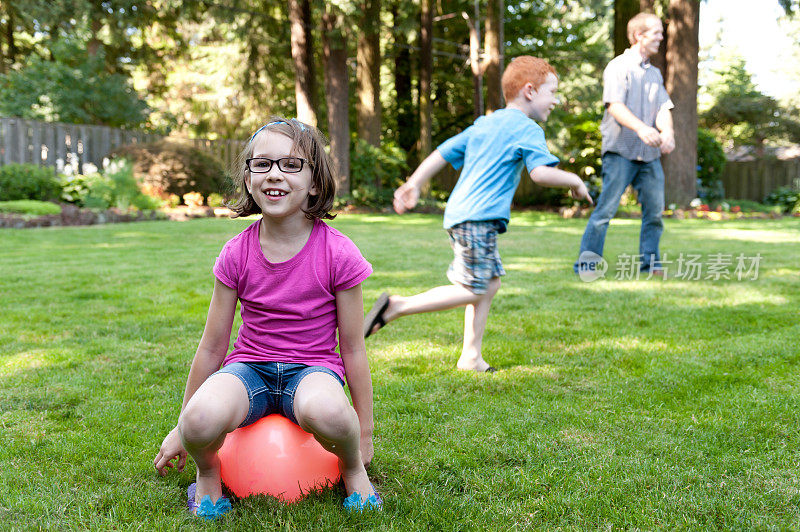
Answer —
271 386
648 181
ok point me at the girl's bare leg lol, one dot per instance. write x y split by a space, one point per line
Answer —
322 408
217 408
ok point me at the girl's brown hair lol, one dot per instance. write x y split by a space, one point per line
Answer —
308 143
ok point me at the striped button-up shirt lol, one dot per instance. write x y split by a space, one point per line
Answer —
635 82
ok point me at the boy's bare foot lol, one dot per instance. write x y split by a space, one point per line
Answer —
478 365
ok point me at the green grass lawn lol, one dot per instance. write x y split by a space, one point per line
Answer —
641 404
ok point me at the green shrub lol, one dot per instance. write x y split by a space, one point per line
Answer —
168 167
745 205
582 152
375 172
787 198
28 182
32 207
710 164
116 187
215 200
75 188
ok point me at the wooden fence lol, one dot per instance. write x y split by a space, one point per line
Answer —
754 180
74 145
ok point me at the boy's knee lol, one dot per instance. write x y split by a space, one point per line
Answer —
493 287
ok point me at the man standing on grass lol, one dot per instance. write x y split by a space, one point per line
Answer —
636 129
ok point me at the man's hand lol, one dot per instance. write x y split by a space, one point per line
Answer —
171 448
405 197
667 141
650 136
580 192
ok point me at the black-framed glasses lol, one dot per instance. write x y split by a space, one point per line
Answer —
289 165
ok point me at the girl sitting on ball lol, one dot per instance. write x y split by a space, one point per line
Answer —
298 281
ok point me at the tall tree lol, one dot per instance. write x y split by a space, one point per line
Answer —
303 56
680 166
490 65
368 59
743 115
476 65
425 74
494 54
334 46
407 130
624 10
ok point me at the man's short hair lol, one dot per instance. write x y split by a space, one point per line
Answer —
525 69
639 24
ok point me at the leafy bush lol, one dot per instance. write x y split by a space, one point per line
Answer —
578 144
375 172
710 164
215 200
28 182
787 198
167 167
32 207
582 152
116 187
75 188
745 205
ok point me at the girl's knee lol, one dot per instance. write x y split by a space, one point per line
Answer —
198 425
329 415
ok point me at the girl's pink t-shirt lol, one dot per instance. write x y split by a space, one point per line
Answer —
289 308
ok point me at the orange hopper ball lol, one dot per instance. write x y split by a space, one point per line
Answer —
273 456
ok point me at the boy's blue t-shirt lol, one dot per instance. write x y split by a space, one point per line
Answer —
492 151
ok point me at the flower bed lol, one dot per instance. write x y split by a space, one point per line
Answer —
72 215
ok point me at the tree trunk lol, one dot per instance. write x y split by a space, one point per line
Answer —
680 166
494 54
406 119
303 57
334 49
368 73
475 61
93 46
425 73
624 10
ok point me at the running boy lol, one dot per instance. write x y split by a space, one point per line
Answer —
492 152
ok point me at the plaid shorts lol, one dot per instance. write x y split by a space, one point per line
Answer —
476 259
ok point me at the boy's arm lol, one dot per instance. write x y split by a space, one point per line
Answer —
352 349
626 118
549 176
664 125
407 195
209 356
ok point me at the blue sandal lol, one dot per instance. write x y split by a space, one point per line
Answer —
205 508
354 503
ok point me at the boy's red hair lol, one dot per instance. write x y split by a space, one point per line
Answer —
525 69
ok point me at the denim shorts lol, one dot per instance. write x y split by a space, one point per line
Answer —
271 386
476 259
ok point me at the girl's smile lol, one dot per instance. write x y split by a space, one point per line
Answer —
279 194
